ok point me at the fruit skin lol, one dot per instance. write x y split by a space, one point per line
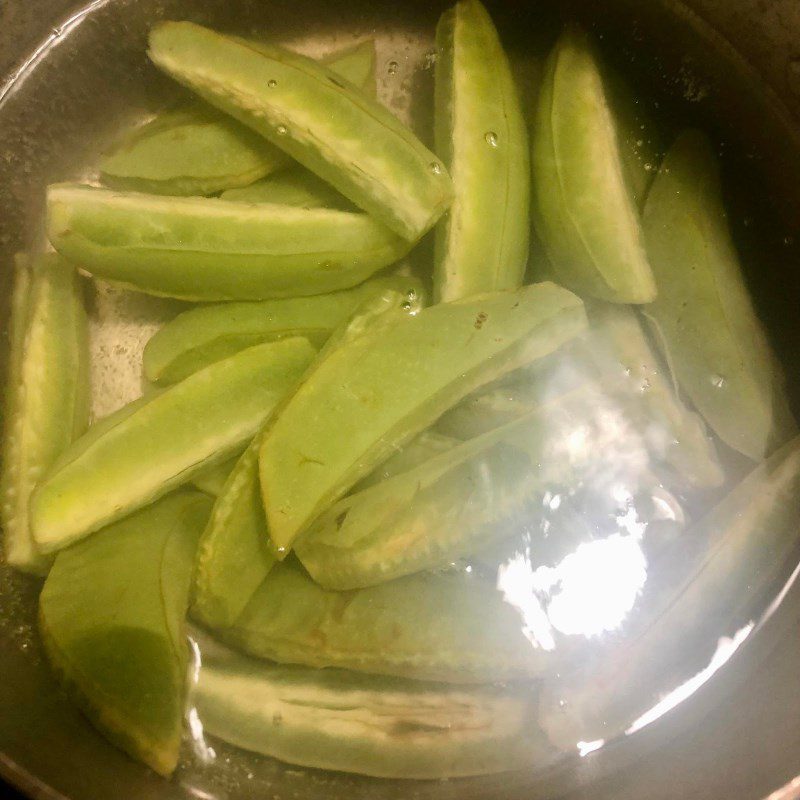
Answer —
583 208
379 390
482 137
196 150
200 336
704 316
315 116
204 248
370 725
452 628
111 617
47 404
159 442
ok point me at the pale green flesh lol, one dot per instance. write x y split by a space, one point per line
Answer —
234 555
398 379
430 627
704 315
584 211
735 553
196 150
112 617
203 335
291 187
48 398
167 438
482 136
321 120
386 727
199 248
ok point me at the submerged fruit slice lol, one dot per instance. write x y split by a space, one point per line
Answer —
482 137
386 727
615 357
233 556
197 150
433 514
47 403
704 315
165 440
203 335
453 628
315 116
200 248
734 555
111 617
584 210
379 390
291 187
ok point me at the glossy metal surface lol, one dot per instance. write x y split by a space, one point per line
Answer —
75 74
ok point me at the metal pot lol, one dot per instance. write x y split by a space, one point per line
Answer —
71 74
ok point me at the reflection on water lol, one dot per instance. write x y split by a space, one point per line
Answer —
725 649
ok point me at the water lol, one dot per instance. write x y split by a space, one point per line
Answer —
578 577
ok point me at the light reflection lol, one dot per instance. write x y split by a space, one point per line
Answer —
584 748
725 649
590 591
203 752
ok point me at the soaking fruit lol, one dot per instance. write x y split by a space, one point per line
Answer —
316 117
160 443
111 617
204 248
47 405
482 136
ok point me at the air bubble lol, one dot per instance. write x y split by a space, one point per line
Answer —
391 67
272 83
436 168
491 138
281 130
717 381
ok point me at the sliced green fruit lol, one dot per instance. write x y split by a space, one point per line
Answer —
482 137
111 616
203 335
291 187
315 116
379 390
197 150
584 211
704 315
615 357
386 727
167 438
734 554
234 555
47 396
429 627
433 514
201 248
212 480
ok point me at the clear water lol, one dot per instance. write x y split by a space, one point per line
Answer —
580 589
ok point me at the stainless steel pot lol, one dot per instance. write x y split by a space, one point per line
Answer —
71 74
